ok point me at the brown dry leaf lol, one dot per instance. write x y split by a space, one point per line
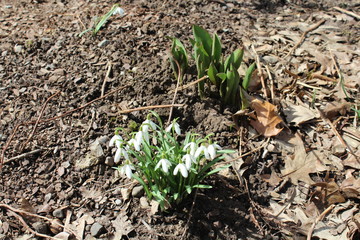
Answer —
301 164
266 118
350 186
122 225
299 114
272 179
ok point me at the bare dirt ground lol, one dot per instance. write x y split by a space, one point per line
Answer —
62 96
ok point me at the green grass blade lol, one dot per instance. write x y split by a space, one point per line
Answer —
202 37
247 78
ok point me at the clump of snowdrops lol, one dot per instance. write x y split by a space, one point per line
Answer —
168 168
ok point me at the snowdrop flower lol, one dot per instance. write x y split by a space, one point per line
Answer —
192 146
127 170
165 164
212 150
176 127
119 11
182 169
120 152
115 139
136 142
188 159
148 124
202 149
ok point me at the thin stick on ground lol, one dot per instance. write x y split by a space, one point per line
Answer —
272 91
326 120
260 73
149 107
325 78
319 218
175 93
354 15
38 120
23 155
109 65
303 36
189 84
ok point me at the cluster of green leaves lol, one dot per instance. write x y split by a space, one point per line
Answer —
222 72
100 21
167 168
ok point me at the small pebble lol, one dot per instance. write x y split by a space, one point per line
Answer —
137 191
97 229
18 48
118 202
59 213
144 203
103 43
41 227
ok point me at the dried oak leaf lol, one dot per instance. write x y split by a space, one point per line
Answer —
266 118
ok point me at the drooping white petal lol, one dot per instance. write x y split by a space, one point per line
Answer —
165 164
192 146
182 168
117 155
127 170
119 11
188 159
148 124
176 127
212 150
202 149
114 139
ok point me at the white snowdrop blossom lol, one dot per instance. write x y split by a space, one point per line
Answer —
120 152
127 170
212 150
176 127
182 168
115 139
192 146
204 150
148 124
165 164
136 142
119 11
188 159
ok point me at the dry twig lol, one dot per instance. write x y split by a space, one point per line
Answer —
190 84
176 90
319 218
109 65
303 36
260 73
38 120
354 15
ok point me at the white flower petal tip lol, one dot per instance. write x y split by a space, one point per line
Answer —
176 127
188 159
204 150
212 150
115 138
127 170
119 153
182 168
164 164
192 146
148 124
119 11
